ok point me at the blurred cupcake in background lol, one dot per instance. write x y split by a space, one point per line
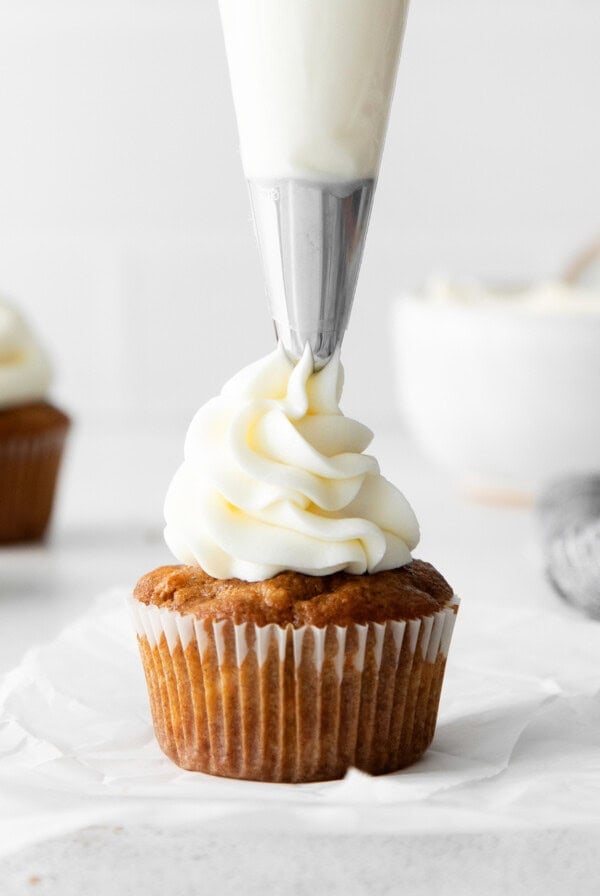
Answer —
32 432
499 384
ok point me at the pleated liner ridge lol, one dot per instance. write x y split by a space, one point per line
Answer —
29 467
276 703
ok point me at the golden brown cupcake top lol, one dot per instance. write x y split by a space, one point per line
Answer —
31 419
412 591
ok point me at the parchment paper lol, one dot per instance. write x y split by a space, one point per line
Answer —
517 744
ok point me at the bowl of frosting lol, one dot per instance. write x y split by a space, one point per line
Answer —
500 384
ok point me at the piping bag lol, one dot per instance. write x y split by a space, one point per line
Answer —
312 83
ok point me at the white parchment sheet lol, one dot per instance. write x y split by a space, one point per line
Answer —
517 744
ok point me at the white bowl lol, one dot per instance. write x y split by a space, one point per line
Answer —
503 396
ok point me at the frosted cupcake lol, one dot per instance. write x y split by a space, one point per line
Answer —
32 432
298 637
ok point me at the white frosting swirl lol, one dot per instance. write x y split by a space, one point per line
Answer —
275 478
24 367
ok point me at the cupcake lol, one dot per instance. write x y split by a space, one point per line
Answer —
298 637
32 432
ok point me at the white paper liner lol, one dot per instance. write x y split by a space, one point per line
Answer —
153 622
281 703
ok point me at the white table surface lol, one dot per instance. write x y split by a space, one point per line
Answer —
107 531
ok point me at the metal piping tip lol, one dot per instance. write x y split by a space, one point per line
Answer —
311 237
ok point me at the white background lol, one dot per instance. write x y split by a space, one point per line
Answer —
124 223
125 233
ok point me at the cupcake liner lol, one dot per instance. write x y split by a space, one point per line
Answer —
29 467
275 703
